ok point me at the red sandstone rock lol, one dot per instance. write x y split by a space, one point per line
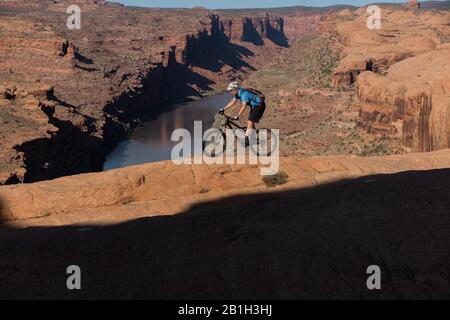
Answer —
118 66
403 34
416 93
413 4
155 189
401 73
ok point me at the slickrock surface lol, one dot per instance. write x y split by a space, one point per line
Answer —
237 240
165 188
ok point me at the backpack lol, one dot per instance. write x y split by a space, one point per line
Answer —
261 95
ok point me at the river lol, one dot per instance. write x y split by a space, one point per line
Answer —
151 141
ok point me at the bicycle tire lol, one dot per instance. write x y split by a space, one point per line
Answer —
254 147
206 145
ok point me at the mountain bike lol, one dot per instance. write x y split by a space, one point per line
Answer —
263 144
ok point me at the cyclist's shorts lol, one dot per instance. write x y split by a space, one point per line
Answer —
256 113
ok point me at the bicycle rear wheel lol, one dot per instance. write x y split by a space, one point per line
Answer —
266 143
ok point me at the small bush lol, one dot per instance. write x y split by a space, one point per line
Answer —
277 179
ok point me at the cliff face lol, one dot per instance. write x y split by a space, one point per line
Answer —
412 100
298 25
210 37
255 30
103 79
400 72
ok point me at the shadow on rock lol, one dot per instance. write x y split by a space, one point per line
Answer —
59 155
299 244
2 213
231 55
250 32
278 37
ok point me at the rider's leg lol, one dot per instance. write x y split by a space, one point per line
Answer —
250 128
254 117
249 132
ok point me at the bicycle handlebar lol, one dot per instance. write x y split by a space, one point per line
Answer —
222 113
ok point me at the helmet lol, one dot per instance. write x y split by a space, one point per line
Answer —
233 85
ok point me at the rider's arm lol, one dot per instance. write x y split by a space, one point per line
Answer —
231 104
243 106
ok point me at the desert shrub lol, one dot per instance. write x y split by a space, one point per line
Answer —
378 148
277 179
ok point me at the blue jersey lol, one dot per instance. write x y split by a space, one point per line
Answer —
253 100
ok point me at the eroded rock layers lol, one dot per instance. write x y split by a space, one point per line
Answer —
66 96
401 72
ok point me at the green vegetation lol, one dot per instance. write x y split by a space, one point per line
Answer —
276 180
312 59
380 146
307 63
321 59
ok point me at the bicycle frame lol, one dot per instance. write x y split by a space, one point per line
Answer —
230 124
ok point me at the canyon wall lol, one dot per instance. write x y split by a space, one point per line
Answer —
412 100
256 30
400 72
96 83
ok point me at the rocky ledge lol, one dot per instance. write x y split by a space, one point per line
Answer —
155 189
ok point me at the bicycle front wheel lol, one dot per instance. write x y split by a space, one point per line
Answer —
214 144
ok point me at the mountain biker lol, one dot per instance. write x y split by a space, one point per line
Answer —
248 98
